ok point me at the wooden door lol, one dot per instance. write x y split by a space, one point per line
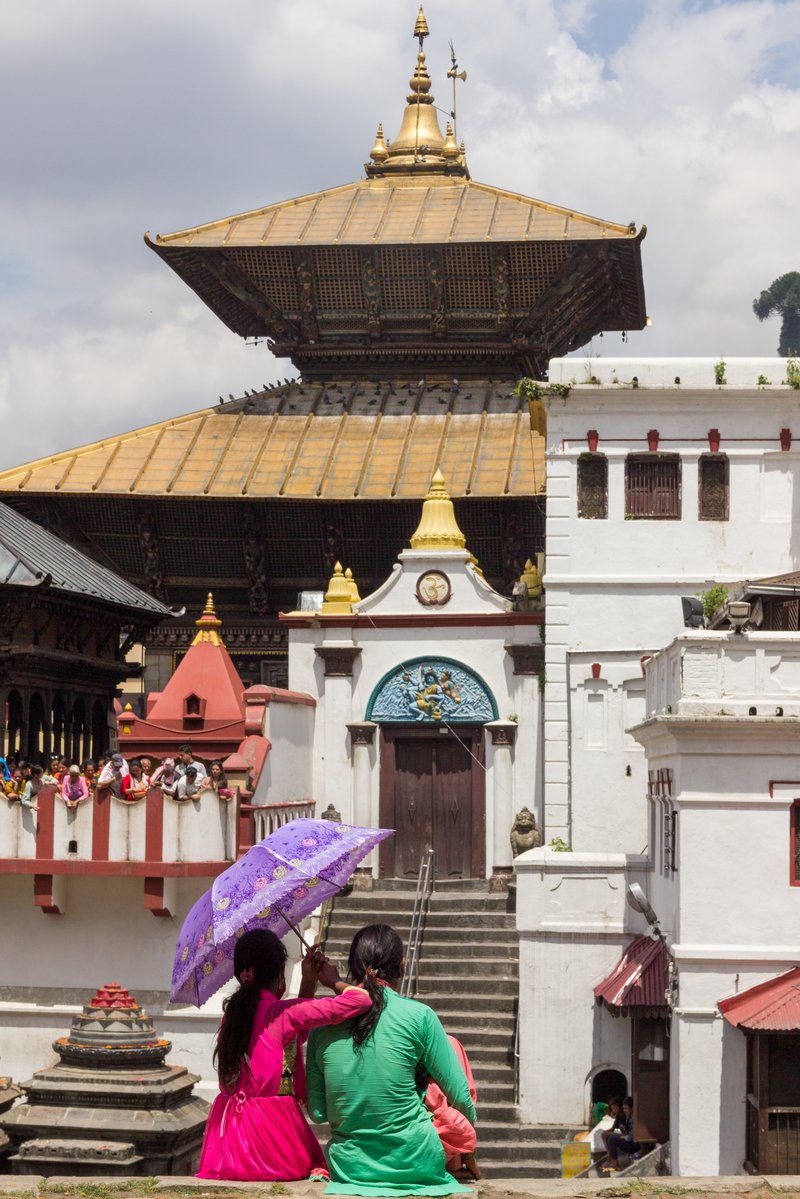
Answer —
650 1078
432 794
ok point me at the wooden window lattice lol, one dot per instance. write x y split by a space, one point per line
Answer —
653 486
593 487
713 487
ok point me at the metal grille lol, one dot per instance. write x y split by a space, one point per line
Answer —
653 487
403 284
713 487
273 273
593 487
532 269
782 615
338 280
468 277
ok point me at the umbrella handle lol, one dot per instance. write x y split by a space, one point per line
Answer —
293 927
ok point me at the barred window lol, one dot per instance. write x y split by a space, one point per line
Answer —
653 486
713 487
593 487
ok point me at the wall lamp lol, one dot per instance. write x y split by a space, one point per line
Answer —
738 614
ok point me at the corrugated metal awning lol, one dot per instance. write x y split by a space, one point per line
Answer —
638 983
773 1006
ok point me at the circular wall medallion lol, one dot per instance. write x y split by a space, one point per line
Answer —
433 589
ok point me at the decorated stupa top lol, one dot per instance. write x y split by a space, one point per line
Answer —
420 147
438 528
208 624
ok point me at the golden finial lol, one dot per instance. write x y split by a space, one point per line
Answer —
208 624
421 29
339 597
450 148
355 598
532 580
380 151
438 528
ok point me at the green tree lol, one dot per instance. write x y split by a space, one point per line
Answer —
783 296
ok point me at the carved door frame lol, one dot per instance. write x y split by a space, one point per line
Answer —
473 736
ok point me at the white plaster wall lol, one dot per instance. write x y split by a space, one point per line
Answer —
199 829
614 586
574 924
339 701
288 769
17 830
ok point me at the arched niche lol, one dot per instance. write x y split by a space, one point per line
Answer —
430 691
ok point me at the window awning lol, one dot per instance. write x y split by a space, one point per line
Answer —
773 1006
638 983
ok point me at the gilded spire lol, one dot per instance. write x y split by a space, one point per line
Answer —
419 147
208 625
532 580
339 596
438 528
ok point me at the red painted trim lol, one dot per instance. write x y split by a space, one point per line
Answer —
74 866
154 897
427 619
280 695
45 821
773 783
43 894
154 825
100 825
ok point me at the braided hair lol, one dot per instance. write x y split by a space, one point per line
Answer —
376 958
258 960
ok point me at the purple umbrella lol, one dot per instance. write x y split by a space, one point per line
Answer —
275 885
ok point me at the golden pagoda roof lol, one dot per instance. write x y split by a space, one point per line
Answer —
304 441
404 209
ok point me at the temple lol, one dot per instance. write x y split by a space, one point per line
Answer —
410 301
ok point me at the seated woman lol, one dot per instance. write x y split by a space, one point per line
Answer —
362 1080
74 788
454 1130
256 1131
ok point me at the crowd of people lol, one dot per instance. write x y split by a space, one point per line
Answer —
396 1091
181 777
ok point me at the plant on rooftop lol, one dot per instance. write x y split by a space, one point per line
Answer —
719 373
763 381
793 373
783 297
713 599
529 389
559 845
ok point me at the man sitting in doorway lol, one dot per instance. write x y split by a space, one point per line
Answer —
622 1141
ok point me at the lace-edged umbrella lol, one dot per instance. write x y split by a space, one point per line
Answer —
275 885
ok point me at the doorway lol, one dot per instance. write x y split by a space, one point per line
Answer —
432 793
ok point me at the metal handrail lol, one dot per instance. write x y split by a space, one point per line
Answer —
516 1055
421 898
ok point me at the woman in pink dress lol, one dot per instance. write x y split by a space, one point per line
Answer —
256 1131
455 1131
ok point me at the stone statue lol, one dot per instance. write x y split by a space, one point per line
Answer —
330 813
525 833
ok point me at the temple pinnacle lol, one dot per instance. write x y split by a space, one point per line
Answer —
421 29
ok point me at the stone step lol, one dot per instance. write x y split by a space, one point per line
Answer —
484 987
438 948
456 1001
521 1169
542 1151
371 902
497 1131
456 967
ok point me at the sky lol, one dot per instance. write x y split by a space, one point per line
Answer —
681 115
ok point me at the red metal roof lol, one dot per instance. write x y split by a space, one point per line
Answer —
638 982
773 1006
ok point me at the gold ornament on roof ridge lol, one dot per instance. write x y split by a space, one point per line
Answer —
532 580
355 598
339 596
208 624
438 528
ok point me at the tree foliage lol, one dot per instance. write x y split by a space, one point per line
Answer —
783 297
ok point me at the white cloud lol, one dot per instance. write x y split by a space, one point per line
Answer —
682 115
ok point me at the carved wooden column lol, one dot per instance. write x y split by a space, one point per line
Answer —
503 734
362 734
339 661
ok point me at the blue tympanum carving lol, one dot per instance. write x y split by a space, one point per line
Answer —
432 691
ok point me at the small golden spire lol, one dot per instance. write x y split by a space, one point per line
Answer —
355 598
339 596
450 149
421 29
380 151
438 528
532 580
208 624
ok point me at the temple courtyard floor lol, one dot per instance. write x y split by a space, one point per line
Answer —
755 1187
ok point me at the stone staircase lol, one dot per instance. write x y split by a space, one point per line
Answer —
468 973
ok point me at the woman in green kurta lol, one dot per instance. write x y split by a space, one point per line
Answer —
363 1079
